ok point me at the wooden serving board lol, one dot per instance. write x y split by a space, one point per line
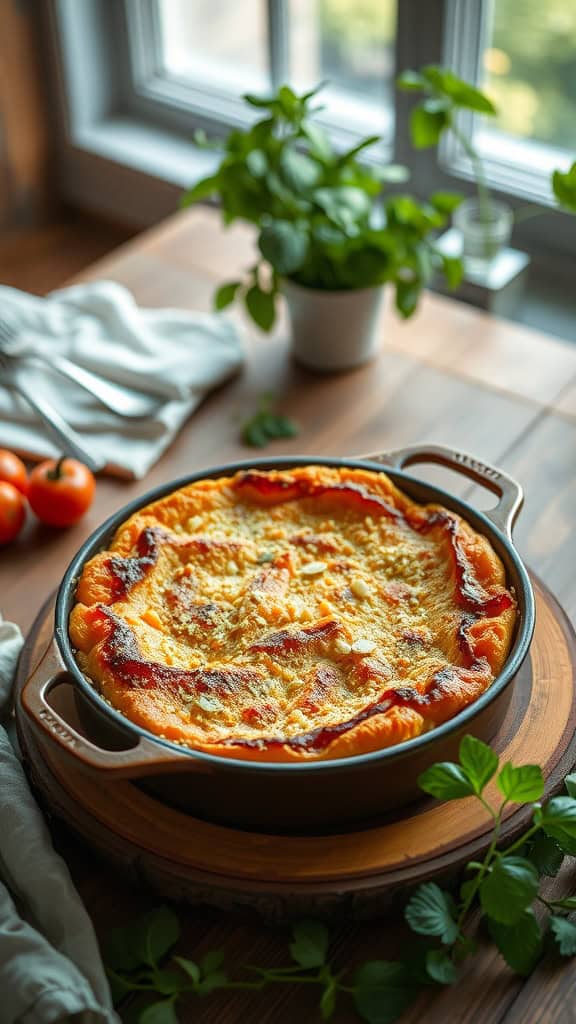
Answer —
355 872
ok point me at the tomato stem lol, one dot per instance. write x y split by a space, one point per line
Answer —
57 472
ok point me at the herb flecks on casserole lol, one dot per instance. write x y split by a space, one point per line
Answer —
292 615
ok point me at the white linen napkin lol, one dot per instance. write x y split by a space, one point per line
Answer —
50 966
99 326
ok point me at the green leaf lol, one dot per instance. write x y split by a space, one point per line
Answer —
276 426
545 854
381 991
569 903
159 1013
426 126
212 982
224 295
189 967
456 89
521 784
261 307
350 154
310 943
257 163
201 190
479 762
453 270
446 781
328 1000
284 244
559 820
430 912
121 950
570 783
345 205
407 295
564 932
212 961
320 145
392 174
298 170
410 81
446 202
520 943
160 930
259 101
254 435
168 981
509 889
440 966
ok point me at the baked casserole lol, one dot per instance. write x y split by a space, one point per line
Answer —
292 615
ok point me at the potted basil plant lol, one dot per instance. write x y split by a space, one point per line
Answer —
327 236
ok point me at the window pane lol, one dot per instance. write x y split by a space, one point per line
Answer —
529 69
219 43
350 45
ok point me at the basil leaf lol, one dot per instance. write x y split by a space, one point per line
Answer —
545 854
407 295
320 145
461 93
559 820
201 190
426 126
446 781
567 904
564 188
212 981
284 245
168 981
310 943
261 307
381 991
453 270
564 932
298 171
509 889
446 202
257 163
440 966
159 1013
150 938
225 294
430 912
212 961
520 943
479 762
189 967
521 784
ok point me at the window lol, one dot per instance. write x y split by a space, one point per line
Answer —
140 75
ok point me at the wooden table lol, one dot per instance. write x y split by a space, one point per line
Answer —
451 375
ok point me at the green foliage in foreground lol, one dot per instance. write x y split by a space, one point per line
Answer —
148 981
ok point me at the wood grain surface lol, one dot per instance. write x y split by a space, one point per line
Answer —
451 375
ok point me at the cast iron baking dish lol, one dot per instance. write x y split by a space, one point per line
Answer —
273 796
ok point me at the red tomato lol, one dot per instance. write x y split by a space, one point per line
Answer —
60 491
12 512
13 470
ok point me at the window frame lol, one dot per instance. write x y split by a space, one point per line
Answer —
125 147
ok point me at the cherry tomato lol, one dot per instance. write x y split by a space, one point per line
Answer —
13 470
12 512
60 491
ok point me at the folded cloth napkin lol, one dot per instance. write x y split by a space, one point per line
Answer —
180 354
50 967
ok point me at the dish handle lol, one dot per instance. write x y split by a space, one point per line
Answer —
509 491
147 757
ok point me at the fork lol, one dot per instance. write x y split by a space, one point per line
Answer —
65 437
122 401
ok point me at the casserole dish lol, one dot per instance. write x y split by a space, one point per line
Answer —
285 796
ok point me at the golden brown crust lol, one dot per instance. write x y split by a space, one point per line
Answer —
292 615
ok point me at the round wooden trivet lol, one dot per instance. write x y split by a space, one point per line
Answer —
354 872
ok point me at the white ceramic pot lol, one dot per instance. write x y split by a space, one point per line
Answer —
334 330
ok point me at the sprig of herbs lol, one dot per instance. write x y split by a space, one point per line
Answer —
504 886
266 425
322 216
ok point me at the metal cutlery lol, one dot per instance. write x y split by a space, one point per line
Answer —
121 400
66 438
